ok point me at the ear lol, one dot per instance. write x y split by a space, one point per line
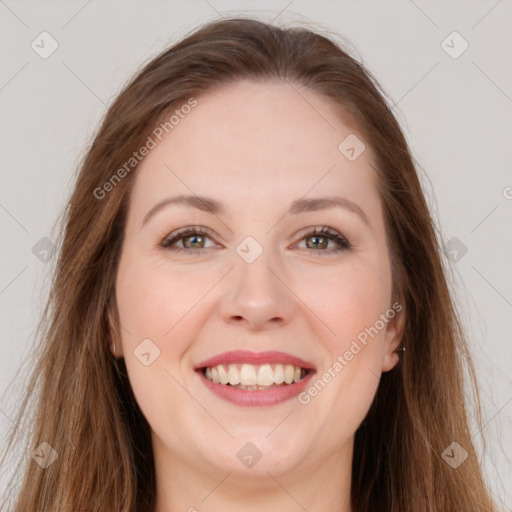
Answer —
115 338
394 334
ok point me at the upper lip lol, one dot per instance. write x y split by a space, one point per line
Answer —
256 358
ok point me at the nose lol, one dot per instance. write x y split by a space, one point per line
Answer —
257 296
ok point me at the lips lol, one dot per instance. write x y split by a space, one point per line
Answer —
255 358
255 378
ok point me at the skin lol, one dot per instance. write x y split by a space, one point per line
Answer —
254 147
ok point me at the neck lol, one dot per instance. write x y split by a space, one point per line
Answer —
319 486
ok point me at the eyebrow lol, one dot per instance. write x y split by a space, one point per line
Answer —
298 206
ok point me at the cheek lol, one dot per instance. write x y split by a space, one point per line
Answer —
153 304
350 303
154 301
345 302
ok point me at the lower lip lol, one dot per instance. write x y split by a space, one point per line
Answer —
256 398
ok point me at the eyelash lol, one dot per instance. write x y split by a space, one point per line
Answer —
330 234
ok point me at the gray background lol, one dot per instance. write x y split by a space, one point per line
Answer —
456 113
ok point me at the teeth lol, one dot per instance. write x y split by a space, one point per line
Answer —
215 375
248 376
223 374
289 372
266 375
233 374
279 374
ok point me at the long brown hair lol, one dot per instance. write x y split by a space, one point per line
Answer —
84 406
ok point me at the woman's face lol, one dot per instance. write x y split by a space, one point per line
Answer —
253 278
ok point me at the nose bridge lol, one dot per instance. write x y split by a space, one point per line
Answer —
255 292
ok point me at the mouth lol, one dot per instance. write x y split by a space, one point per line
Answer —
255 379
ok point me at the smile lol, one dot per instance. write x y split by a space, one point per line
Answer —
249 376
255 379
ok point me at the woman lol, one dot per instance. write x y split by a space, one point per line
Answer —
250 309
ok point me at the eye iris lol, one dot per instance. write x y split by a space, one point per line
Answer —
195 238
322 246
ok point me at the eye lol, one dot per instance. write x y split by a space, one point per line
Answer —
320 238
192 239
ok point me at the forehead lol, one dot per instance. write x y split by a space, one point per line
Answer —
250 142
